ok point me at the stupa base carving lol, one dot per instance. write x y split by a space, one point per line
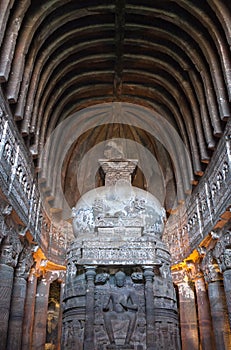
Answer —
126 305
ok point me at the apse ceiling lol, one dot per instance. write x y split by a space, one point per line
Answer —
172 58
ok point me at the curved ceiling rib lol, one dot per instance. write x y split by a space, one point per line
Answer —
5 7
172 56
218 39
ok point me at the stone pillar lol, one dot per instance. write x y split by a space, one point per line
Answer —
60 316
18 299
218 306
222 254
6 283
10 250
16 314
203 310
40 314
225 265
149 303
29 311
188 315
227 286
90 308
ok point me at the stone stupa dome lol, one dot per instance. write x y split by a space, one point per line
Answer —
118 208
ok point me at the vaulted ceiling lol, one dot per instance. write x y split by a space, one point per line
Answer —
171 57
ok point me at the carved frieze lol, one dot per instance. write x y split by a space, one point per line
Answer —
118 252
16 173
110 215
210 200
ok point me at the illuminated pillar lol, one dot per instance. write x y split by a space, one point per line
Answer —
204 316
40 314
218 304
187 308
29 311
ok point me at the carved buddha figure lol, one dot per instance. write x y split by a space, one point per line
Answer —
120 306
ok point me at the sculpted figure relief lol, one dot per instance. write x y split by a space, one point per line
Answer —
120 306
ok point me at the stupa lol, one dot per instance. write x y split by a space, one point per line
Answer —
119 292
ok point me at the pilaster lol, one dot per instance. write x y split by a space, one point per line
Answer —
90 311
149 303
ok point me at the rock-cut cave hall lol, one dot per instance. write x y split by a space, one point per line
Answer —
115 179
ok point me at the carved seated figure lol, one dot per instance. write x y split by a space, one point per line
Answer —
120 306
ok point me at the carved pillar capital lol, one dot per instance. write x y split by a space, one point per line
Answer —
5 211
180 276
210 268
90 273
225 260
32 274
222 251
194 271
10 249
56 275
148 273
25 262
226 237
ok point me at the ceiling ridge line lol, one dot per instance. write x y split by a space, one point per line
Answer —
119 46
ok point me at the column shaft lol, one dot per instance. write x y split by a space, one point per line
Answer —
16 314
29 312
204 316
90 309
60 318
227 286
40 317
149 304
6 283
219 315
188 318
